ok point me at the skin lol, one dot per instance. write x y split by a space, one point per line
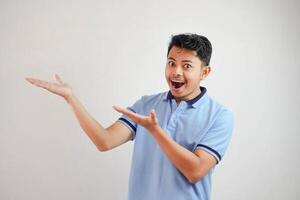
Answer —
182 64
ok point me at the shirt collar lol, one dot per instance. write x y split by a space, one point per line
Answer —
193 102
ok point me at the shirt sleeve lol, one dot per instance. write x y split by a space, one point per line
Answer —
131 125
217 138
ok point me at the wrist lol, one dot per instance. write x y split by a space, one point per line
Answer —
69 97
154 129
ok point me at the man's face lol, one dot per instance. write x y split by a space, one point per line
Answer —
183 73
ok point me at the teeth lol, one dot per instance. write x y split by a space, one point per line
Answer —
177 81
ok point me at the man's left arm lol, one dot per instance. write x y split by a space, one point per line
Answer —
193 165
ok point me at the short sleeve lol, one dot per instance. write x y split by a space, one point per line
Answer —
217 138
131 125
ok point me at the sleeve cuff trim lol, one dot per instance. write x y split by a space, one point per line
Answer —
128 123
210 150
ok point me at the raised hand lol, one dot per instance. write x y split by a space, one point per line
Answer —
59 87
149 122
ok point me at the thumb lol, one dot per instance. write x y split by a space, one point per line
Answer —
58 79
153 116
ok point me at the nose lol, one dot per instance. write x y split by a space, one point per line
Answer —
177 71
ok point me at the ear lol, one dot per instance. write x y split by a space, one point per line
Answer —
205 71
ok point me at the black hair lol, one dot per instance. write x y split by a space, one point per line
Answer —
194 42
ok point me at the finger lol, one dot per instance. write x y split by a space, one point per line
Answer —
119 109
28 79
134 116
123 110
32 80
58 79
153 116
39 83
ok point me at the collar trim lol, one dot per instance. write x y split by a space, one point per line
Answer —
191 101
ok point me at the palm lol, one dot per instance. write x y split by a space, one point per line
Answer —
59 87
149 122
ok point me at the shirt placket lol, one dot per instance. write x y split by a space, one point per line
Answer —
172 122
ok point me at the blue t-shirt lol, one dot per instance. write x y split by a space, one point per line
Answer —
198 123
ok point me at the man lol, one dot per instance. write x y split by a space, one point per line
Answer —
179 135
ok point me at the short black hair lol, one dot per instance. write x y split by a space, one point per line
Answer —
194 42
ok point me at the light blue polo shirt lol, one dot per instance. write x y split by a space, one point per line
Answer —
200 123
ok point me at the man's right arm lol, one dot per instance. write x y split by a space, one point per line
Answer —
103 138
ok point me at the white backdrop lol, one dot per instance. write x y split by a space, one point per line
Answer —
112 52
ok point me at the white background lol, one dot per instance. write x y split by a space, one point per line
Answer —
112 52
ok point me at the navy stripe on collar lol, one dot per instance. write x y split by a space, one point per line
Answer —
191 101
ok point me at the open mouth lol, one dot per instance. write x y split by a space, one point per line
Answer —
177 84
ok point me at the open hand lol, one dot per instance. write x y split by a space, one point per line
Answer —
59 87
149 122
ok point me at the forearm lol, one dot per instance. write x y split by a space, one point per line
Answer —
184 160
91 127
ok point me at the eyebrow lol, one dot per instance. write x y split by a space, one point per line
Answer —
189 61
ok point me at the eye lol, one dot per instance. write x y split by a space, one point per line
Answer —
187 66
171 63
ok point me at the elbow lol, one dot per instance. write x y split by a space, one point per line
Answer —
103 147
194 178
